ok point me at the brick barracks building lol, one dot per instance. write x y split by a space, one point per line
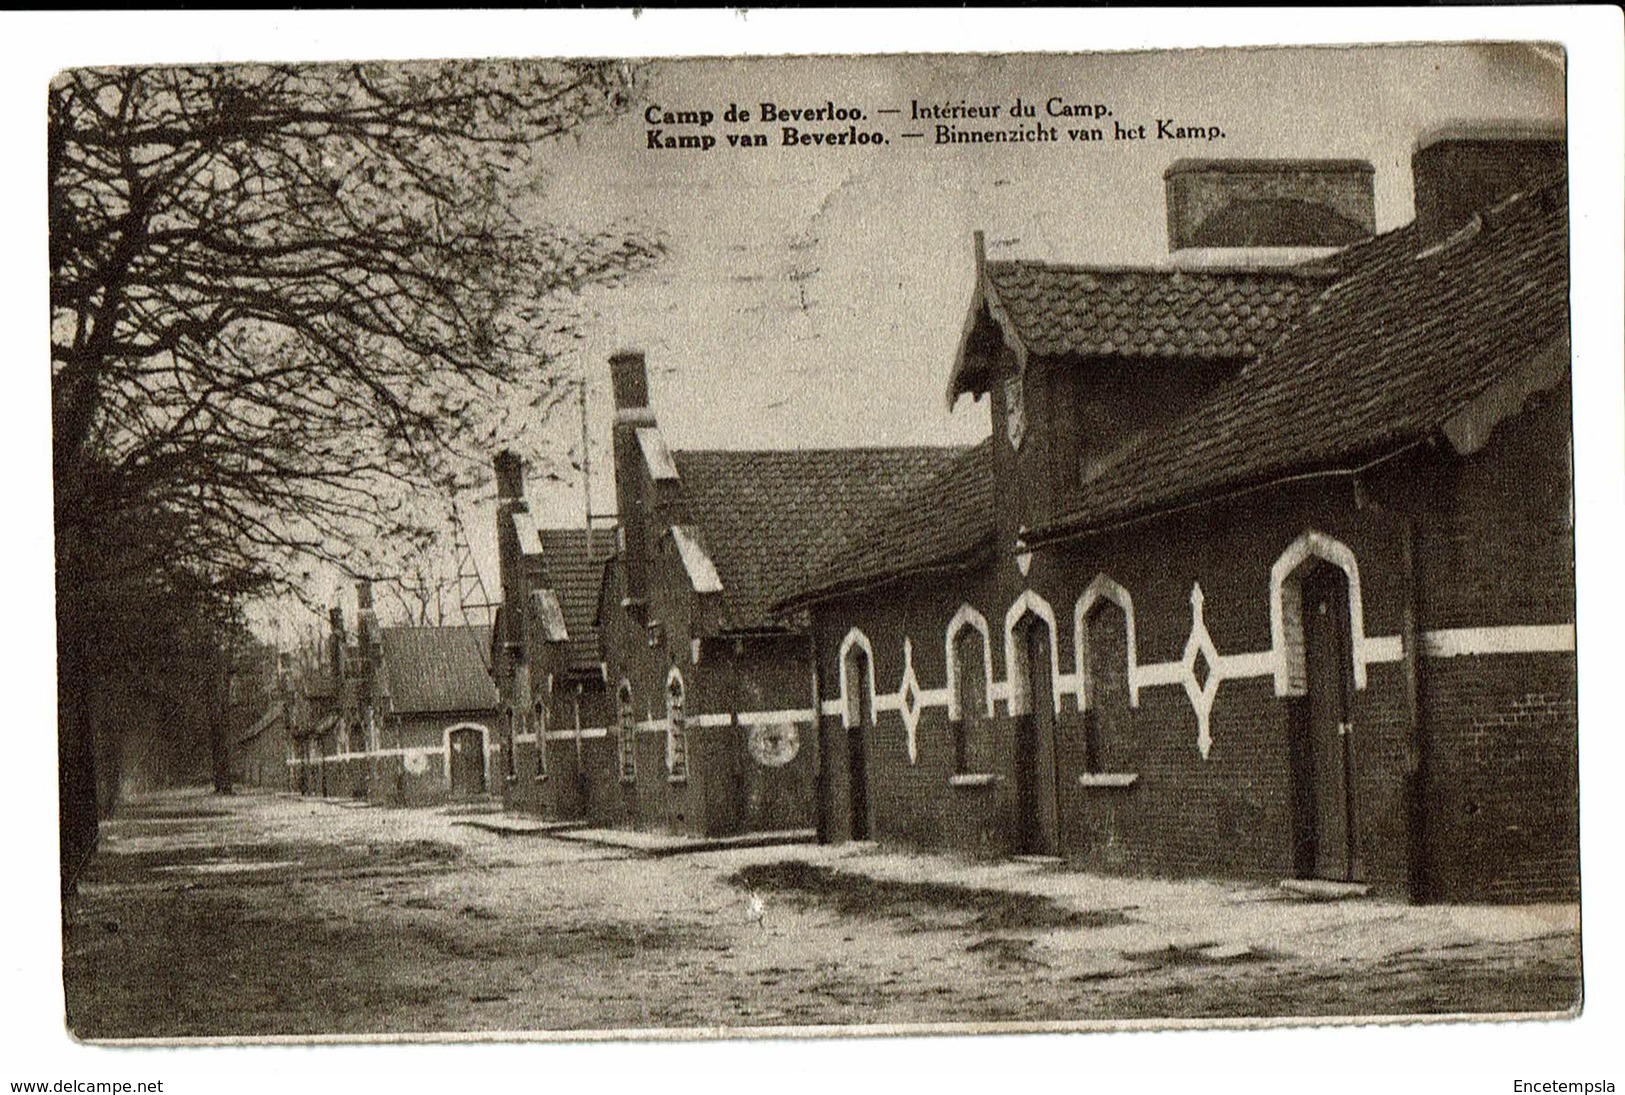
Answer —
399 715
645 681
1266 571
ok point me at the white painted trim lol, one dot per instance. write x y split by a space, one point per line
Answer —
1454 642
1384 648
830 708
1103 588
445 751
790 714
1337 553
908 701
973 779
967 617
525 739
1260 663
708 720
855 637
1108 779
584 733
1018 702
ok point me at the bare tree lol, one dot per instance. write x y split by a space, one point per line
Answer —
284 298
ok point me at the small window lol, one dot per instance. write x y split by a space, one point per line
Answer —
676 730
626 734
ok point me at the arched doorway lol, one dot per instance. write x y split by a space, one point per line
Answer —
1037 827
465 748
1320 726
861 719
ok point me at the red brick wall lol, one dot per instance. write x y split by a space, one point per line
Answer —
1497 818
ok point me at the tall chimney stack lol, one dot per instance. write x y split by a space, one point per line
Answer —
335 648
510 473
1460 169
629 377
1234 205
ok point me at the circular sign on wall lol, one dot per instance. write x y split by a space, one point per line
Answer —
416 763
774 744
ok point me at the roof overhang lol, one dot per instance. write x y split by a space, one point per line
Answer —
970 372
1469 429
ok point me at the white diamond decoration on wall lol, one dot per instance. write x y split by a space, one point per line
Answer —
1201 689
908 698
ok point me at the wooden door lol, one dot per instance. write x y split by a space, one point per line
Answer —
467 761
1326 806
1037 829
857 752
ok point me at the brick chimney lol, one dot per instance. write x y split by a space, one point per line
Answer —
1245 204
629 378
510 473
513 674
370 651
1460 169
335 647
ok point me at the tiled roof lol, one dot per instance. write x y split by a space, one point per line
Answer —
1094 312
765 517
944 521
1402 341
438 669
574 573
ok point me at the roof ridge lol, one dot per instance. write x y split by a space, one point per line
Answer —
824 449
1307 269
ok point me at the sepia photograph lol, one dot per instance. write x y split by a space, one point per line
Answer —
790 544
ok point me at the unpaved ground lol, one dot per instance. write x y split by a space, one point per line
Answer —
262 915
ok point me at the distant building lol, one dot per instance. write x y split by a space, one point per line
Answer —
411 716
703 722
1266 571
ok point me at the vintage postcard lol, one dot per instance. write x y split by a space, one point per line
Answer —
930 543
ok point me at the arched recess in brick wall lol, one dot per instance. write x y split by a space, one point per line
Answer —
1103 588
1015 651
863 668
676 725
968 617
1286 609
626 732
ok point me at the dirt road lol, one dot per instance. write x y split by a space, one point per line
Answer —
268 915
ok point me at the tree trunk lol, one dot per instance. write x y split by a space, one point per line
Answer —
78 813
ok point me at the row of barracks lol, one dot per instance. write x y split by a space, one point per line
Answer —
1265 570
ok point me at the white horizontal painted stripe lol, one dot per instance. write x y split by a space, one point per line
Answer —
1385 648
1155 673
933 697
789 714
1528 639
1237 666
1001 692
1067 684
831 708
887 701
710 720
584 732
524 739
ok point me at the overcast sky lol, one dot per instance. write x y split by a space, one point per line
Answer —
815 296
